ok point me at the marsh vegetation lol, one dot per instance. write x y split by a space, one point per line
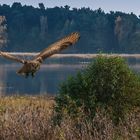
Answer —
32 118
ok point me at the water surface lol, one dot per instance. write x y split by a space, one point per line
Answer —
47 80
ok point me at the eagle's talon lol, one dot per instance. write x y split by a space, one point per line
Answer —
26 75
33 74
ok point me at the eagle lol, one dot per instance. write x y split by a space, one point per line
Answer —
33 65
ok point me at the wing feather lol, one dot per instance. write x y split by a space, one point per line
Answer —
58 46
11 57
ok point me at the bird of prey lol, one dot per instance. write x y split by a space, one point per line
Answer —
32 66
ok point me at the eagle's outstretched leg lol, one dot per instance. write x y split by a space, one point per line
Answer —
33 74
26 75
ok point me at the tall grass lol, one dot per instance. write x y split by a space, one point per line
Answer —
24 118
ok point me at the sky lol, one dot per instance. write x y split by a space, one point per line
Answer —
126 6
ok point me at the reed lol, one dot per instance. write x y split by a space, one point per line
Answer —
32 118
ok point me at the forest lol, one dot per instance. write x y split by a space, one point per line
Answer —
31 29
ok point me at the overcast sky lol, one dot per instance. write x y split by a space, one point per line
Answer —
107 5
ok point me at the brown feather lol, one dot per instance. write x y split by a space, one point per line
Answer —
11 57
58 46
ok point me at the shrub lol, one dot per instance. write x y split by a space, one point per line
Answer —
73 97
107 82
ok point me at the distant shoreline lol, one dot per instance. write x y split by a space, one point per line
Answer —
87 55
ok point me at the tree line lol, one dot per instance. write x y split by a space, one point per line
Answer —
32 29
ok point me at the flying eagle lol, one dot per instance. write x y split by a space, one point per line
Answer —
32 66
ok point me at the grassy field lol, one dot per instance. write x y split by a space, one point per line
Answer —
31 118
24 117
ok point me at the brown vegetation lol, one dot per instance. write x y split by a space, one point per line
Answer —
32 118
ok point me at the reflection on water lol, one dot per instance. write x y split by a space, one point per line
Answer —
46 81
48 78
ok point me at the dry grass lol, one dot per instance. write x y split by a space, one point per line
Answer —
24 117
30 118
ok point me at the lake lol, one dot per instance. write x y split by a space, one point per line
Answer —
53 72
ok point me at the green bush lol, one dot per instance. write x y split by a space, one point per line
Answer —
73 95
107 82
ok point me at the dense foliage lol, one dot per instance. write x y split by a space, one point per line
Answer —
32 29
107 83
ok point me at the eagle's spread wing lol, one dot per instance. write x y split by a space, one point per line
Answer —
11 57
58 46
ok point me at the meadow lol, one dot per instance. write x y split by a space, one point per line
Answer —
32 118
